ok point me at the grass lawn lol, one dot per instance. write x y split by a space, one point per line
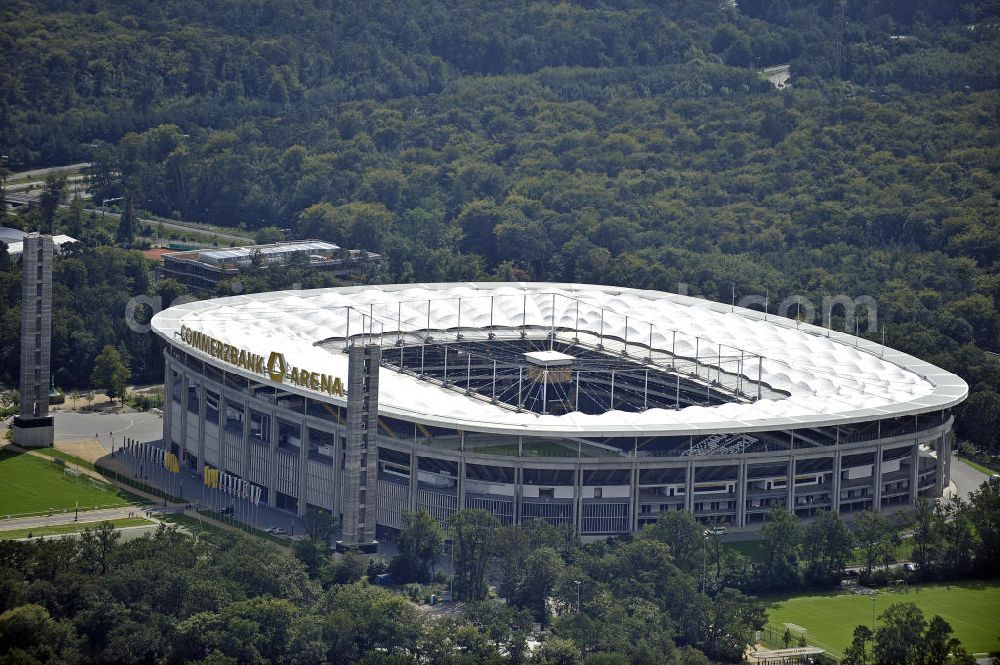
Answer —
972 609
66 457
32 486
76 527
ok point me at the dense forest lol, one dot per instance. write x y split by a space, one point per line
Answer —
618 142
173 597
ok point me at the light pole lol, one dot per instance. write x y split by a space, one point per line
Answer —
577 583
874 596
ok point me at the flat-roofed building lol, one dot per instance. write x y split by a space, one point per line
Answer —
204 268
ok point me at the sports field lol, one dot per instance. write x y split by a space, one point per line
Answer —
32 486
972 609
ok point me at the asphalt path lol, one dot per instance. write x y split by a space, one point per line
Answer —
107 428
965 478
28 175
86 516
243 240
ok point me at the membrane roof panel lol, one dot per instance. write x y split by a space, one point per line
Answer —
830 377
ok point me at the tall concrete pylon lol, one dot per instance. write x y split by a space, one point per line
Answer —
33 426
360 473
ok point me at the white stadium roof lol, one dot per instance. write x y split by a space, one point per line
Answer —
830 377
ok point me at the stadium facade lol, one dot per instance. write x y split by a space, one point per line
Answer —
583 405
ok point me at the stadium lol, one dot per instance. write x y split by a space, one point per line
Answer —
593 406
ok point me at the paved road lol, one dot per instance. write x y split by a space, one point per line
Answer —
68 518
242 240
107 427
27 175
965 478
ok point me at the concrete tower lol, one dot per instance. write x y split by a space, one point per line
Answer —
33 426
360 474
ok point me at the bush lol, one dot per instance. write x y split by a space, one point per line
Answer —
143 402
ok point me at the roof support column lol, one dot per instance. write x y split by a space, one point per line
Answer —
414 470
202 396
741 494
578 497
790 489
689 487
634 493
244 450
272 458
835 477
303 470
518 483
877 476
461 482
185 384
168 400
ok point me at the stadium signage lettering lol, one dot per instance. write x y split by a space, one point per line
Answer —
274 366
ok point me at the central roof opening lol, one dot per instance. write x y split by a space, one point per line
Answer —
554 376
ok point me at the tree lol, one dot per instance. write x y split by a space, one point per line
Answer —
899 639
97 545
74 220
957 536
110 372
556 651
680 531
733 621
8 400
781 536
348 568
875 536
472 531
419 544
984 513
53 194
926 535
125 235
29 634
358 619
857 652
268 235
827 545
313 553
542 570
320 524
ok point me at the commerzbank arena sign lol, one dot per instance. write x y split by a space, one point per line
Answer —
273 366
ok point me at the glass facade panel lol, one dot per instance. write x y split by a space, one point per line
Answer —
325 411
322 446
212 407
289 436
193 401
234 417
260 426
296 403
